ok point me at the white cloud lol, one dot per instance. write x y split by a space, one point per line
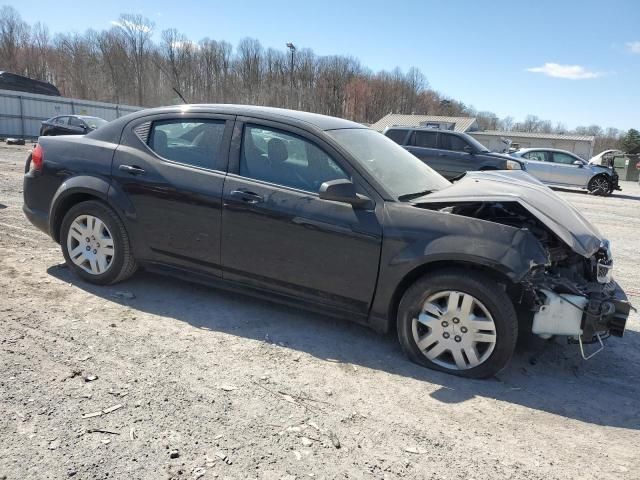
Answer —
571 72
126 24
633 47
186 44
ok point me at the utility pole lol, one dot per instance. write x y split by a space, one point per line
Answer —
292 49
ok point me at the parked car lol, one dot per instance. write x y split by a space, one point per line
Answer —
449 153
324 213
71 125
565 169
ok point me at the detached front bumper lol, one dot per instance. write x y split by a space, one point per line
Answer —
585 318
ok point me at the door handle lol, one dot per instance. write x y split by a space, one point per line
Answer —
131 169
246 197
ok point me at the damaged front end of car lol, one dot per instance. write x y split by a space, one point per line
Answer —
573 294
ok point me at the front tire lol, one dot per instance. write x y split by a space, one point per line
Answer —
95 244
459 322
600 185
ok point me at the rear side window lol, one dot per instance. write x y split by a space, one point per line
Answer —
425 139
537 156
453 143
190 142
397 135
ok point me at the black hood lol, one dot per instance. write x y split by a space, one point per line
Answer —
558 215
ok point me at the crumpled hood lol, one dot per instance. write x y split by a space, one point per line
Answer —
560 216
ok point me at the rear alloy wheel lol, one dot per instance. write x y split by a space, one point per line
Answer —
95 244
458 322
600 185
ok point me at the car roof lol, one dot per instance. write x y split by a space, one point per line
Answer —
322 122
544 149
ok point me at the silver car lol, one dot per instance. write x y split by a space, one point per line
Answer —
565 169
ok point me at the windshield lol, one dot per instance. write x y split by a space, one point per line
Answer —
398 171
94 122
476 144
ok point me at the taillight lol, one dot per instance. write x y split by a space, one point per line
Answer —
37 157
638 165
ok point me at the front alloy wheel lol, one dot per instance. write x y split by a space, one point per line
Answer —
459 321
600 185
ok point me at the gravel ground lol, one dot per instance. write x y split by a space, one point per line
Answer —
198 383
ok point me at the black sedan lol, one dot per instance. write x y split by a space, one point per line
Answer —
321 212
71 125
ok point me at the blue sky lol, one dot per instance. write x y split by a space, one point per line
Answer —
575 62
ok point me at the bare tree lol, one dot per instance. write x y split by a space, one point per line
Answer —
14 34
137 31
124 65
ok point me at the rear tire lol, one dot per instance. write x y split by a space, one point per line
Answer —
435 332
95 244
600 185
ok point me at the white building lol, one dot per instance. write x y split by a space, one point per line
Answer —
581 145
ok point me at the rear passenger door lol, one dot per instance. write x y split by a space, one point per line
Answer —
424 145
62 126
171 170
538 165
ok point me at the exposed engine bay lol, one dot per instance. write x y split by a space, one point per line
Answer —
571 295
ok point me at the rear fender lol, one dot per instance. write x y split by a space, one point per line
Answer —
77 189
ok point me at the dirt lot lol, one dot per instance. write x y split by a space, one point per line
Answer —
240 388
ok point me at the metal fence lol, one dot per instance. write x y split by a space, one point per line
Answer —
22 113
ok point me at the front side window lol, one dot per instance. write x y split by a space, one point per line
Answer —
397 135
453 143
425 139
563 158
191 142
62 121
75 122
284 159
536 156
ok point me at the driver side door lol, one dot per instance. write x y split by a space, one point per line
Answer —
566 172
279 235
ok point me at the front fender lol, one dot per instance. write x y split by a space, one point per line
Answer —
415 238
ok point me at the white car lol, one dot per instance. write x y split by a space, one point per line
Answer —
565 169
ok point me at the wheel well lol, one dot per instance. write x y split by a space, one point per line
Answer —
64 206
429 268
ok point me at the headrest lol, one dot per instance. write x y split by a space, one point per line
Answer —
159 140
277 150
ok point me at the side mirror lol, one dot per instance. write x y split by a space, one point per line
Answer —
578 163
344 191
469 149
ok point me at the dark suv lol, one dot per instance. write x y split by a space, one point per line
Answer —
451 154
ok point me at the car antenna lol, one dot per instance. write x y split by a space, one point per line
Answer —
169 77
179 94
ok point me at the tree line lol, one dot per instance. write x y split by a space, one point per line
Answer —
124 64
